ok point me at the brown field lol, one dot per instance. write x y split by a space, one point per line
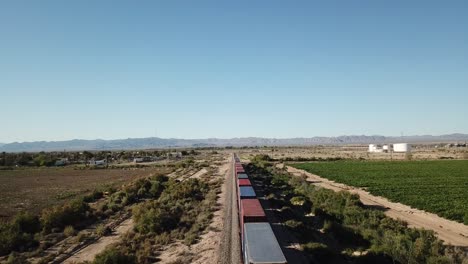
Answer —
33 189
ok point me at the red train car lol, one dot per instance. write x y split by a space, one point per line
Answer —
251 211
243 182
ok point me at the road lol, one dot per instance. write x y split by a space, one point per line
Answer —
450 232
230 251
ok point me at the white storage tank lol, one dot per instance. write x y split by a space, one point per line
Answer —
401 147
372 147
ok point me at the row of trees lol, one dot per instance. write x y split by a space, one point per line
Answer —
49 158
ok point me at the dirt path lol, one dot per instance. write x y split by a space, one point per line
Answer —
230 245
450 232
88 253
199 173
207 250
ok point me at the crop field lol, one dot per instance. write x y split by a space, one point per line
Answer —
33 189
440 187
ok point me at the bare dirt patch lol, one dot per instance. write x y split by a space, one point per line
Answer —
33 189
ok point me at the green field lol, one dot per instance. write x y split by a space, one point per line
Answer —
440 187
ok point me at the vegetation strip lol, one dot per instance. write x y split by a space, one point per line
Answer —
440 187
336 227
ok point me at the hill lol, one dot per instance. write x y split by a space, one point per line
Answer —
154 142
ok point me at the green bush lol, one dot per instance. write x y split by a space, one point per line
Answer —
27 223
72 213
114 256
11 238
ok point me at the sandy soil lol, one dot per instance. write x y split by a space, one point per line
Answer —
208 247
88 253
450 232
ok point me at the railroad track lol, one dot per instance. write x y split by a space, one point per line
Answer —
230 244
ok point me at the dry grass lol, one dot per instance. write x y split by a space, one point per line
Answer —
33 189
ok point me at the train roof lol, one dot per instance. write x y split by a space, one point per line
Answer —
261 244
244 182
247 191
252 208
242 176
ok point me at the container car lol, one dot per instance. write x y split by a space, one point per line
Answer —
244 182
242 176
240 170
251 211
260 245
245 192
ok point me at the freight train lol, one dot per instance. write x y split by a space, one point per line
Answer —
258 242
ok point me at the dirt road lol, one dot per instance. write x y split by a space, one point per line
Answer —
230 244
450 232
88 253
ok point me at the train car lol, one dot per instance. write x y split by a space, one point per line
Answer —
245 192
243 182
260 245
242 176
258 242
240 170
251 211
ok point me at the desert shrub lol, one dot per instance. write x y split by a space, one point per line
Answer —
293 224
18 234
320 251
95 195
102 230
15 258
82 236
69 231
113 256
27 223
190 238
72 213
11 238
297 200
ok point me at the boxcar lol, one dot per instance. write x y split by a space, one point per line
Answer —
242 176
244 182
260 245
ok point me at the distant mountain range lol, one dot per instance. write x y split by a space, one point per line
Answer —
154 142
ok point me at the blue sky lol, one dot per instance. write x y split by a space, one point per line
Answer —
198 69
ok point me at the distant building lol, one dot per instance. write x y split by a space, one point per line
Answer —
98 163
373 148
386 148
142 159
61 162
176 155
401 147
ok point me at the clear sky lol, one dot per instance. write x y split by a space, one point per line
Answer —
197 69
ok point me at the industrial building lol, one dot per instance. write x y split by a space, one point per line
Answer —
397 147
